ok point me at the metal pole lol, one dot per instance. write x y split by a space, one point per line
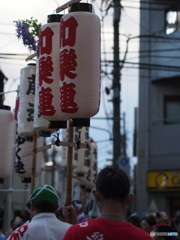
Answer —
116 85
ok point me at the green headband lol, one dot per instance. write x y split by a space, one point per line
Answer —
43 192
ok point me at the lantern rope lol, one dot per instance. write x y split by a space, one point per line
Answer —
2 93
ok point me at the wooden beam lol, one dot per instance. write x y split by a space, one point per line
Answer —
70 144
36 150
57 143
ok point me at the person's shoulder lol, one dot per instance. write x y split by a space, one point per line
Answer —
64 224
19 232
77 231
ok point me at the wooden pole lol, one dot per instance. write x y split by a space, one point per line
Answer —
69 170
33 177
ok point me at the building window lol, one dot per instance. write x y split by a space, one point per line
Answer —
172 21
172 109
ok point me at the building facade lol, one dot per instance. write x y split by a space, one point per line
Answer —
158 133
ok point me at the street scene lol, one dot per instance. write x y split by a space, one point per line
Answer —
90 119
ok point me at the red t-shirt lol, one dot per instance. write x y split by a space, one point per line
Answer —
101 229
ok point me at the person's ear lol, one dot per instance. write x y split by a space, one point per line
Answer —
129 199
31 207
96 195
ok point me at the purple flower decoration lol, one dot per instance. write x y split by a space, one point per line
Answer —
22 30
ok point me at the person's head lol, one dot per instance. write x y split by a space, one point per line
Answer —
135 220
113 184
161 218
44 198
147 223
162 229
16 222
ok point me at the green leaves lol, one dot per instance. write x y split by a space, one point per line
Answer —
33 26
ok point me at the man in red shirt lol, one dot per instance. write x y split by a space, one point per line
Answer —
112 196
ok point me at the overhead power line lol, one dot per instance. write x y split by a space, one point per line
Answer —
152 3
149 66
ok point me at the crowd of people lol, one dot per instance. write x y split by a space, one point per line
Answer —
158 225
112 196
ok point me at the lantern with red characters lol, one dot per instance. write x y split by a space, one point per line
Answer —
49 84
80 62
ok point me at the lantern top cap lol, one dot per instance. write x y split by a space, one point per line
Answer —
31 64
5 107
54 18
80 7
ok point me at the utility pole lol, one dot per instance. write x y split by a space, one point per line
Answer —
124 136
116 85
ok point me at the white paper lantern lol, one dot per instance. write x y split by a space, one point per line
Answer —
26 107
80 55
80 156
40 124
7 136
65 149
23 165
49 84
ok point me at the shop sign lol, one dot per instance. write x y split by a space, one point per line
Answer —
163 180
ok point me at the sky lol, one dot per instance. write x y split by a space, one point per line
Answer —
100 128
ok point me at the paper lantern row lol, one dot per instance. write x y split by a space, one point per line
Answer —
23 165
66 81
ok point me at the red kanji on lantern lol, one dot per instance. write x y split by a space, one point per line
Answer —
45 100
45 70
68 64
45 43
68 32
67 98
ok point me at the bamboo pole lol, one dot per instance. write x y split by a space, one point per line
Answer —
69 170
33 177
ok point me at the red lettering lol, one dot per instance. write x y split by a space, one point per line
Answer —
68 32
45 102
67 98
19 232
45 41
45 70
67 64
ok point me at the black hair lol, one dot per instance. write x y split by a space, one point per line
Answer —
45 206
150 220
113 183
135 220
